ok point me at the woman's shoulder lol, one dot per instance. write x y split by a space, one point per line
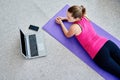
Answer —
75 26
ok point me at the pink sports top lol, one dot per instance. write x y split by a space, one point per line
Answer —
88 38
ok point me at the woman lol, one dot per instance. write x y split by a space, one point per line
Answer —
104 52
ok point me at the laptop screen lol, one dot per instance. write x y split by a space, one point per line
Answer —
23 42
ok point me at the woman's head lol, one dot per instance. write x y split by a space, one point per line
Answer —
75 13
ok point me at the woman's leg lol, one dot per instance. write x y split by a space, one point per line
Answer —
105 61
115 51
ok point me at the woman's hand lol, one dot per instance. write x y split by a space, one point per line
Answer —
58 20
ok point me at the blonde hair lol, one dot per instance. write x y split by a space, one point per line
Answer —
77 11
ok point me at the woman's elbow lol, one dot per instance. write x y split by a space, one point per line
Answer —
68 36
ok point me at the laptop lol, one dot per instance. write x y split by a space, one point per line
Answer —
32 46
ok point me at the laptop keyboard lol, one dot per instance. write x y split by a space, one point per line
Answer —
33 45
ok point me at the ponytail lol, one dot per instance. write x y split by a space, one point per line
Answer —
83 10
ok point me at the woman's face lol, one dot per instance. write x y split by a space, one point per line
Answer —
70 18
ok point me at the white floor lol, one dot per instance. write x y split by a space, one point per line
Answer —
60 63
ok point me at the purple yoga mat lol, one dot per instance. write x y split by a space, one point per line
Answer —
72 44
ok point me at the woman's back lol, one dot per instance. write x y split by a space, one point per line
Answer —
88 38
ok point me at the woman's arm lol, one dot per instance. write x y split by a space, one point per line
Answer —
68 33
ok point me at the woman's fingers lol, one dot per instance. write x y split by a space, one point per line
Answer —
58 20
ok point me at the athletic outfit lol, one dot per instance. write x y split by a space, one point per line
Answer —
104 52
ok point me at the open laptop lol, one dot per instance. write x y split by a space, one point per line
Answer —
32 46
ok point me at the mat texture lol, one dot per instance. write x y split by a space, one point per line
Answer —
55 31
